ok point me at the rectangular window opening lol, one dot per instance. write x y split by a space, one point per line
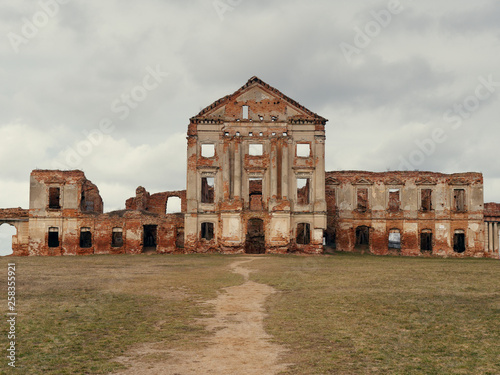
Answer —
53 238
255 193
303 234
85 238
303 150
459 198
255 149
207 189
117 237
303 187
244 112
362 199
207 231
426 197
208 150
394 239
394 200
54 197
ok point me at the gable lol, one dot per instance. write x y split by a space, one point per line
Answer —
265 103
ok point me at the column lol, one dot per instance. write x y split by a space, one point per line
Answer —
486 236
284 170
226 170
237 169
495 237
319 171
274 170
490 237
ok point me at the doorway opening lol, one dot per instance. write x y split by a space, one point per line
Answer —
362 237
256 241
459 241
149 240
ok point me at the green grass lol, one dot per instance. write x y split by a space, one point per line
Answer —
352 314
78 313
339 314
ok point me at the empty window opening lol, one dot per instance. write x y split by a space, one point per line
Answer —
53 238
303 190
54 197
255 149
207 231
250 134
86 205
394 200
362 199
85 238
255 242
255 193
426 198
237 134
226 134
285 134
173 205
207 189
274 118
117 237
459 241
303 234
426 240
459 199
362 236
273 133
261 117
303 150
245 112
6 233
208 150
394 239
261 134
179 238
149 239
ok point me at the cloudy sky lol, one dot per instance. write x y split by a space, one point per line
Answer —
109 86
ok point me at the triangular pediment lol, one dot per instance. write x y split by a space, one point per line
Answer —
394 181
363 181
331 181
264 103
458 181
425 181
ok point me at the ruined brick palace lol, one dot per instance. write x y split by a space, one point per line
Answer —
256 183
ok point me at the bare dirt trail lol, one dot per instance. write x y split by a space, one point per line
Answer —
239 344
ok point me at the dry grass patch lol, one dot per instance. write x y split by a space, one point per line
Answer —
351 314
76 314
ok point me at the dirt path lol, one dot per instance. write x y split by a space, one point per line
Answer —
239 344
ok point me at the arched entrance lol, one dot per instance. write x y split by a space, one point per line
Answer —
256 240
6 233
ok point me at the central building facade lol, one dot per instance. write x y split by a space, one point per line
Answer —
255 175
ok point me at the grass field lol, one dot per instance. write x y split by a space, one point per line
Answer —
339 314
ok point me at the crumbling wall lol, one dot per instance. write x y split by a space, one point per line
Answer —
156 203
408 203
